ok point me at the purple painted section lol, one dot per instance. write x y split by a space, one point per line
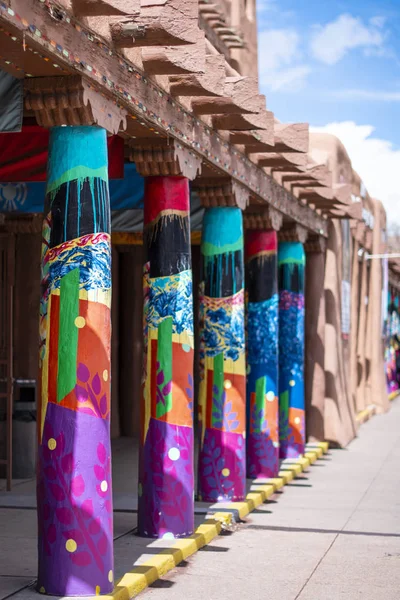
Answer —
262 456
75 504
166 492
221 469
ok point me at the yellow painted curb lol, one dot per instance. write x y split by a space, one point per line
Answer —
366 414
314 445
312 456
287 476
295 467
143 575
265 489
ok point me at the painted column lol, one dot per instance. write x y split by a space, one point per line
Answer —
74 459
291 265
166 483
262 438
222 396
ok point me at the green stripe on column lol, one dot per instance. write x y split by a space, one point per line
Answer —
68 334
164 372
260 392
218 380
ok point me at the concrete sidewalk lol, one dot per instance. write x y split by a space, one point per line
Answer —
333 534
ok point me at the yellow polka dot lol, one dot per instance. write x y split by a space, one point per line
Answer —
292 382
297 420
71 545
104 486
80 322
105 375
51 444
42 590
226 472
110 576
97 590
227 384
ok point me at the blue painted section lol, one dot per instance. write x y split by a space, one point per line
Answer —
291 252
222 230
72 147
125 193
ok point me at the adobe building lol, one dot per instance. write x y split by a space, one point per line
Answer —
198 273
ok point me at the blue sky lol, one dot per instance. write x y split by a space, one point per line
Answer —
336 65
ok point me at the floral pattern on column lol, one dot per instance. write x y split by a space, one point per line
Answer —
291 263
74 458
222 459
166 482
262 354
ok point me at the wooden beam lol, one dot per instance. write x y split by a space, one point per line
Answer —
295 161
211 83
263 120
174 60
291 137
100 8
160 23
120 82
240 95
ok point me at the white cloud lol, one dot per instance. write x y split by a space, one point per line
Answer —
374 95
377 162
278 49
264 6
291 79
332 42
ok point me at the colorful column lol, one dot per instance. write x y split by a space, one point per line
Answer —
74 493
166 483
291 263
262 354
222 459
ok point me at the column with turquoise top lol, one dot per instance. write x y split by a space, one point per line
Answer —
74 495
222 397
262 353
291 266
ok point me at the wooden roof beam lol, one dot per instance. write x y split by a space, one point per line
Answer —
291 137
285 138
175 60
295 161
314 176
210 83
106 8
240 95
160 23
238 122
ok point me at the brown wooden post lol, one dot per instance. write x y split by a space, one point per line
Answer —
340 425
315 339
375 377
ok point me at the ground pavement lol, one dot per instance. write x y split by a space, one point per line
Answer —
333 533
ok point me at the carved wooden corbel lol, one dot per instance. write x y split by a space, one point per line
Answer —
267 218
293 233
164 157
223 192
71 100
315 243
